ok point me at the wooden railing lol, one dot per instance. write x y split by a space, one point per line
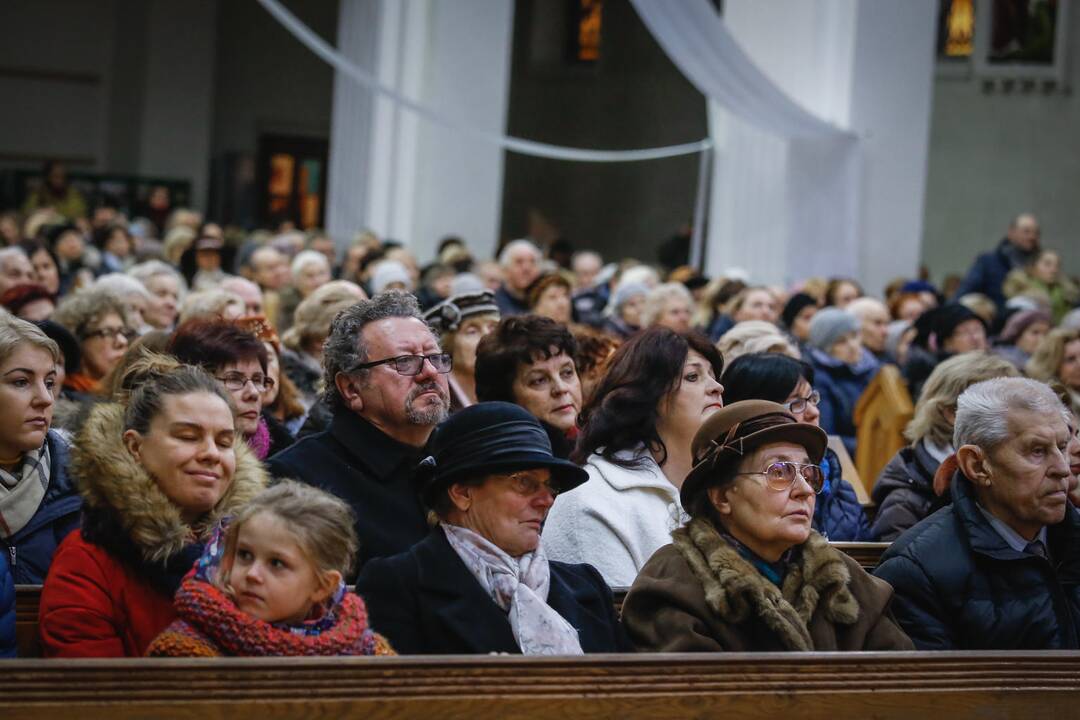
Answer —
807 686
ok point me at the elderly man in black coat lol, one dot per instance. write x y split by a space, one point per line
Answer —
1000 567
386 382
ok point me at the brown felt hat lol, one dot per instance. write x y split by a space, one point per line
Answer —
736 430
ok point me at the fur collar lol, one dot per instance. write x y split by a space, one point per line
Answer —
736 591
114 485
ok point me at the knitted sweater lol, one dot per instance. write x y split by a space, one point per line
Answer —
210 625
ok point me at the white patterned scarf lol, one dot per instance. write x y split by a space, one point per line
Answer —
520 587
21 494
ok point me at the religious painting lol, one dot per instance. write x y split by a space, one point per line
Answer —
1021 39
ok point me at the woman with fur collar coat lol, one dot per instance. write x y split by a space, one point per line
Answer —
156 475
748 573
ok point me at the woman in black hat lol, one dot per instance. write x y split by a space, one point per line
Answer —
481 582
748 573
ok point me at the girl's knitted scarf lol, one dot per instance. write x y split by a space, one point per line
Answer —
210 624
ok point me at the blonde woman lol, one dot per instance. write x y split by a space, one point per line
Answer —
1058 358
904 491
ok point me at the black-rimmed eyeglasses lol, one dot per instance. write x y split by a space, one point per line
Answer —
413 364
799 404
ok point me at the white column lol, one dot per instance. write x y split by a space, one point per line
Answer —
427 181
350 123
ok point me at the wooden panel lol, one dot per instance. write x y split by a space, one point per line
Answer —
882 413
808 686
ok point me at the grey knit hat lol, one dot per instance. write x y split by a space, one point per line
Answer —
624 293
829 325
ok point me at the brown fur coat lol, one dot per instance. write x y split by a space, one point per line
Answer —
699 594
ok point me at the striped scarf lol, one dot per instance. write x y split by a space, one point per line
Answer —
21 494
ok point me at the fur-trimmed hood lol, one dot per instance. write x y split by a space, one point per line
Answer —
117 487
735 590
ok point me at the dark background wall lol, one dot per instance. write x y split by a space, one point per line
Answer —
632 97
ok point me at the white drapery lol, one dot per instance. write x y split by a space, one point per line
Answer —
785 188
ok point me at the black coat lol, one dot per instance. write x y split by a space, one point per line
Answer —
904 492
370 471
960 586
425 601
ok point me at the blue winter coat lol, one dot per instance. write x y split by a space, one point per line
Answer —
31 549
959 586
840 386
987 275
7 609
838 515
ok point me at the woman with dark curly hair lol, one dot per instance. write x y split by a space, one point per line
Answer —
528 360
635 444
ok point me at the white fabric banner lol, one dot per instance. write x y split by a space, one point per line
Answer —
786 183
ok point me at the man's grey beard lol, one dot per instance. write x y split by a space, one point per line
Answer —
430 414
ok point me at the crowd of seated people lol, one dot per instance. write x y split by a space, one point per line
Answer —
226 443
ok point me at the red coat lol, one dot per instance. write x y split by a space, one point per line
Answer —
94 606
110 586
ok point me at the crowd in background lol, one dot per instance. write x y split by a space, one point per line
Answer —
220 430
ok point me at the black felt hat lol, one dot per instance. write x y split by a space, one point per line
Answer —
490 437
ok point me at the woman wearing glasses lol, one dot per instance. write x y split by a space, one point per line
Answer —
838 515
99 320
481 581
748 573
237 359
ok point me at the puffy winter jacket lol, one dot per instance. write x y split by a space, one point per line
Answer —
960 586
840 386
838 515
904 492
31 549
7 609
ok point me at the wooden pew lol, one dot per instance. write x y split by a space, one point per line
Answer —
882 413
28 597
808 686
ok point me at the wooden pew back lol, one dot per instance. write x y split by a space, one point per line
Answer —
808 686
883 411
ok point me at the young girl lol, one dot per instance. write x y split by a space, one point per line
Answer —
271 583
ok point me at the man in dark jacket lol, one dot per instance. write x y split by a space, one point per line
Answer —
904 492
987 274
999 568
386 383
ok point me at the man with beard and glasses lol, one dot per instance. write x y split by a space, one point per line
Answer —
386 382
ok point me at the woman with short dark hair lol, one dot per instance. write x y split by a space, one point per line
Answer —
635 445
529 360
